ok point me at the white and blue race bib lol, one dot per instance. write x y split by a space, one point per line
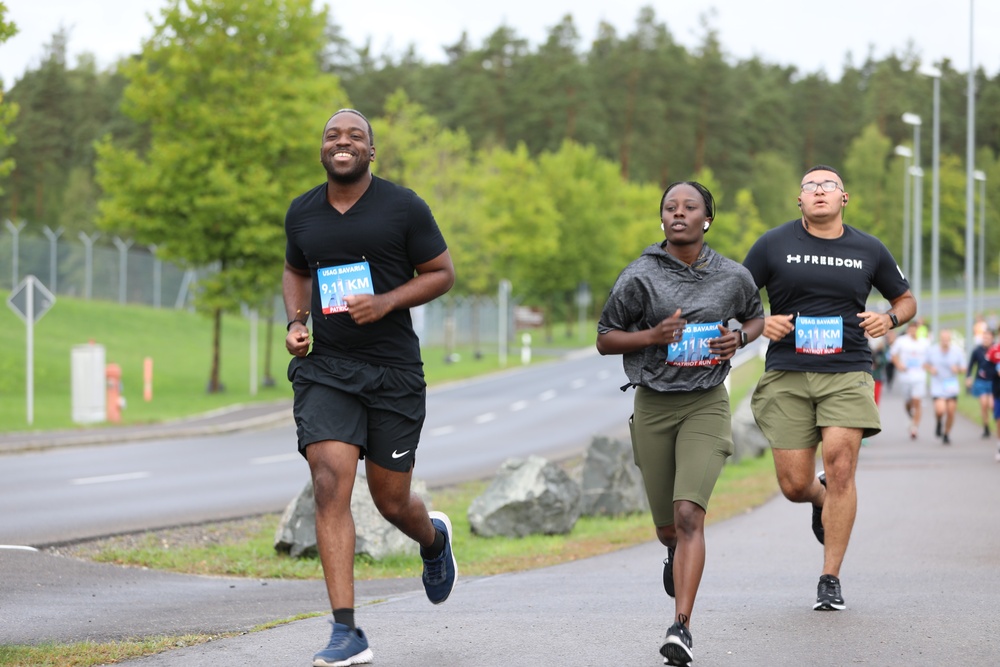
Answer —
336 282
819 335
693 349
950 386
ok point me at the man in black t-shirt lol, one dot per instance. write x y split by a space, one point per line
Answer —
361 252
817 385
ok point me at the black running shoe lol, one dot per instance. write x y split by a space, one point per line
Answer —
945 440
668 572
828 596
676 649
986 431
937 429
818 514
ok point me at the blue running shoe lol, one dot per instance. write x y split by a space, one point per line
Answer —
440 573
346 647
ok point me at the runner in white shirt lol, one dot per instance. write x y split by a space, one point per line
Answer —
945 363
909 354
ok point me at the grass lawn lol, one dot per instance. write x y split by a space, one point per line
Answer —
179 343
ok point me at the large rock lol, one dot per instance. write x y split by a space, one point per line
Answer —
296 532
748 440
612 483
376 537
527 496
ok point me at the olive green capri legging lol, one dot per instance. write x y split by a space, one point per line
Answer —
680 442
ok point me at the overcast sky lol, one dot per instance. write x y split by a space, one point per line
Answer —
811 35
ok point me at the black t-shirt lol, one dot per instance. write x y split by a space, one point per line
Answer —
823 278
390 228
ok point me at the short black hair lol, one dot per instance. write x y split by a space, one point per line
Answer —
824 167
371 134
702 190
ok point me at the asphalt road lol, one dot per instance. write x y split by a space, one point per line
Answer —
72 486
920 583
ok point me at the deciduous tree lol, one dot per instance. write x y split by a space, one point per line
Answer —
235 101
8 111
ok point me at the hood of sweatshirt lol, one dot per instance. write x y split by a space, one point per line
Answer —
706 263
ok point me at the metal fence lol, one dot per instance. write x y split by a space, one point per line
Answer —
113 269
93 267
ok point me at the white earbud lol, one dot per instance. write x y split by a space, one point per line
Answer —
662 227
706 226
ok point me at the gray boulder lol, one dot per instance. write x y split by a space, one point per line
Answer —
376 537
296 531
748 440
612 483
526 497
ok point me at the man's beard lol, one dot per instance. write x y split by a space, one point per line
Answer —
353 175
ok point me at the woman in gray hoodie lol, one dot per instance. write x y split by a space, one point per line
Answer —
669 315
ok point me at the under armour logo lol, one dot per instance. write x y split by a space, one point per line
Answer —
794 258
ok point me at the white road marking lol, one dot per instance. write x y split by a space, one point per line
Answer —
442 430
485 418
17 547
547 395
604 375
579 383
277 458
105 479
518 405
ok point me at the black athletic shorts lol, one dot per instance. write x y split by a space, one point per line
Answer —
378 408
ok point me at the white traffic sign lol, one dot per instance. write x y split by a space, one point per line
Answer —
30 300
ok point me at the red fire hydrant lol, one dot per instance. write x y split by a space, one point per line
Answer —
113 376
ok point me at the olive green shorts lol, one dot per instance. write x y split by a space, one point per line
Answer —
680 443
791 407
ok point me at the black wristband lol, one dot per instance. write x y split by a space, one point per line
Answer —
291 322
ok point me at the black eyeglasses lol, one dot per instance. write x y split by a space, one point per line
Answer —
828 186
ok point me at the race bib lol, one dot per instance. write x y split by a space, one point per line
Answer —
336 282
950 386
819 335
692 348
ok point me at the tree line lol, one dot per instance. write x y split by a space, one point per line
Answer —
543 165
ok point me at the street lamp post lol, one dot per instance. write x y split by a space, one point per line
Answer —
918 200
981 177
917 173
906 154
970 160
935 74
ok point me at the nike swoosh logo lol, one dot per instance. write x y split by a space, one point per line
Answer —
399 455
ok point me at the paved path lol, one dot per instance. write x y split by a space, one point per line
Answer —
920 581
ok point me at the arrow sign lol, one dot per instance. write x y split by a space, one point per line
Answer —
30 300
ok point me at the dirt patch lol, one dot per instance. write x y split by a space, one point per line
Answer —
203 534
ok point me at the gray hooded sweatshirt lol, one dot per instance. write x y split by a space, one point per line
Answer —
653 287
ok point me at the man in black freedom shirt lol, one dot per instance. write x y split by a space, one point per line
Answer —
817 385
